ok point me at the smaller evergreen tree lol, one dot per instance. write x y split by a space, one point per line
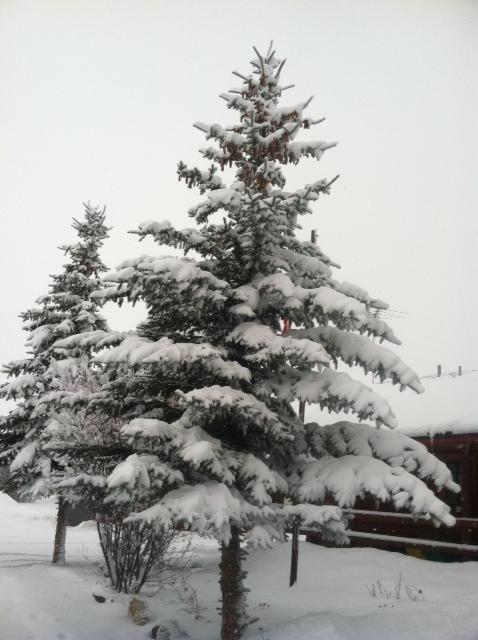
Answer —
32 382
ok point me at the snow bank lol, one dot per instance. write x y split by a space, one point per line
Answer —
329 602
7 504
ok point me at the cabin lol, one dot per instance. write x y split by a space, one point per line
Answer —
445 419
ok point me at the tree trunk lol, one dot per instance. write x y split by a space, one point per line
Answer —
60 532
234 603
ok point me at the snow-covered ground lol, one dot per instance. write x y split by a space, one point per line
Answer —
39 601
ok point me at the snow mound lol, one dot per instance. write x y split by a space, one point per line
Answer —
329 625
8 504
86 524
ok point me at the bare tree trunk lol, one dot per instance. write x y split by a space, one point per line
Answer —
60 532
234 603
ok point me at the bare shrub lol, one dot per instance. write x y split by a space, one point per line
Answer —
135 554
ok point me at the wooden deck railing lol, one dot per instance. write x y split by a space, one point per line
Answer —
384 529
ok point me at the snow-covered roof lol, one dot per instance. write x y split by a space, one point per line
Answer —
448 405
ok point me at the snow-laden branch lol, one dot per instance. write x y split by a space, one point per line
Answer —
19 386
229 199
97 340
337 391
64 398
149 429
174 357
308 148
357 349
351 477
224 136
266 345
324 303
338 306
261 482
328 520
179 270
165 234
196 177
208 509
202 452
138 477
82 479
394 448
184 274
26 455
304 265
353 291
250 412
263 536
186 441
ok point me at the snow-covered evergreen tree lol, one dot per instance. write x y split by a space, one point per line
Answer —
66 310
206 387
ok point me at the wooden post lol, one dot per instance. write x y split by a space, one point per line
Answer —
60 532
438 370
294 556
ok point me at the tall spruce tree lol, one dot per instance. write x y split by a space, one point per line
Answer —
207 384
66 310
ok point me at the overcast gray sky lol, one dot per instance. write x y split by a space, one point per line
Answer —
98 99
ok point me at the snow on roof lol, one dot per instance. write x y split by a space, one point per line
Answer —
448 405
